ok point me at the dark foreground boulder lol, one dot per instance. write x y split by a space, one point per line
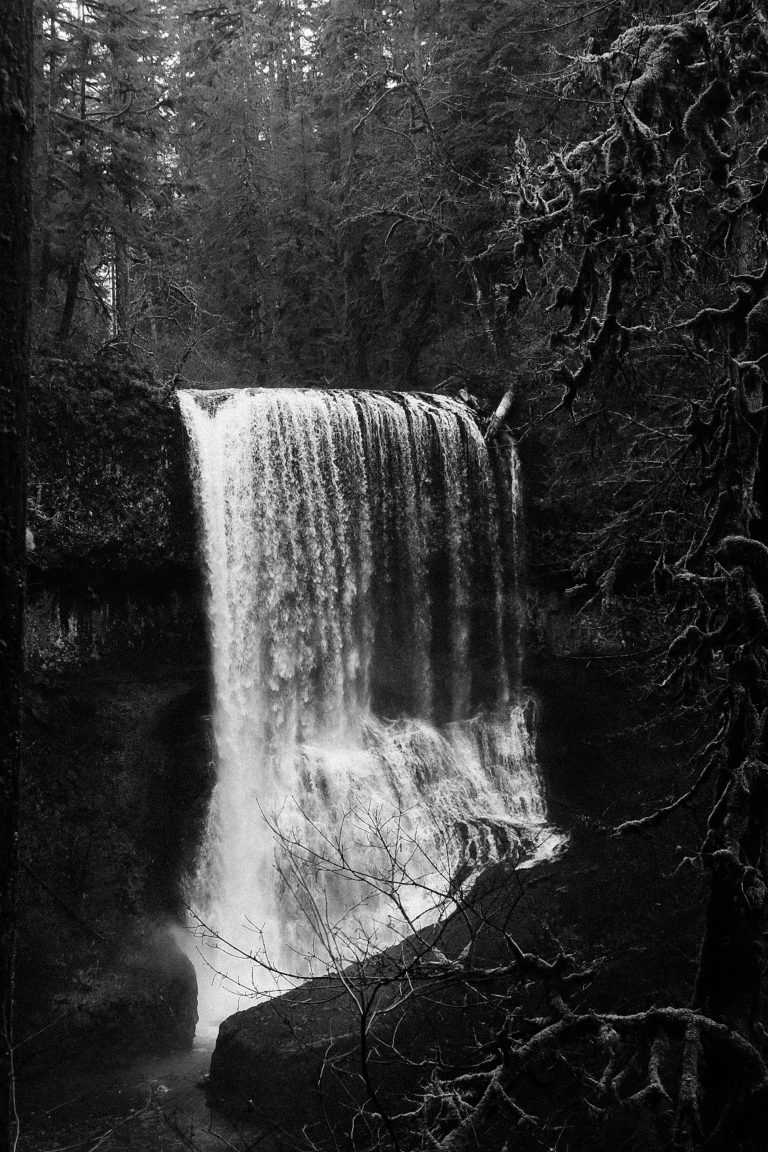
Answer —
340 1051
269 1062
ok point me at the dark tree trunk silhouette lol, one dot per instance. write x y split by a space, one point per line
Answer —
16 127
70 301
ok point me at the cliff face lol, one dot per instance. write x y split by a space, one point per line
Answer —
108 487
118 758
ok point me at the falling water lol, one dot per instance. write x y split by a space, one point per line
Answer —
364 627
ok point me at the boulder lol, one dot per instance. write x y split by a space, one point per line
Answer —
277 1063
144 999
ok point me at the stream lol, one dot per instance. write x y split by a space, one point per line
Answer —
152 1103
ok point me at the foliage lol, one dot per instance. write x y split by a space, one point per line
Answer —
649 236
306 188
101 171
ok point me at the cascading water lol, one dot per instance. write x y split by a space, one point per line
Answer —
364 628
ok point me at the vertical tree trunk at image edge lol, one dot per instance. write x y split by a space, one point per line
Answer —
16 129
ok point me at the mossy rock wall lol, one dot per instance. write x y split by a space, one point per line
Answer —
118 750
108 486
118 772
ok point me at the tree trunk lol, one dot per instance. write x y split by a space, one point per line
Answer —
16 129
44 271
121 296
356 317
73 275
730 983
68 313
418 66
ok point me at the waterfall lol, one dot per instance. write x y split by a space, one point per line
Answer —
364 629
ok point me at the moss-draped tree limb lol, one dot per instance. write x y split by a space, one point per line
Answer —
650 235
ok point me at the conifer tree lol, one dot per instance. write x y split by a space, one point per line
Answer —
101 100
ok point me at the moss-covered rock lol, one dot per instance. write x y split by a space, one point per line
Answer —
115 790
108 487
